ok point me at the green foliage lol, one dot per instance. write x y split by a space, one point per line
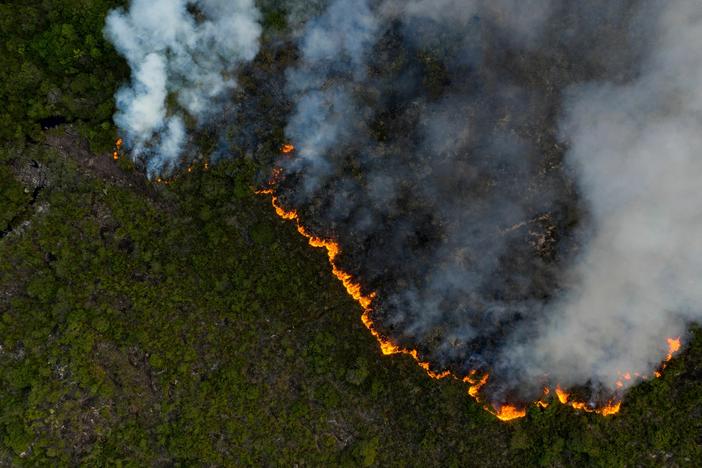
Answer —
13 198
55 63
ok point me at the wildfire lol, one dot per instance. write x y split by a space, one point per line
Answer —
610 408
118 146
505 412
508 412
673 347
353 288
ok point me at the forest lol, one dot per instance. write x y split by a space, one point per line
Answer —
185 324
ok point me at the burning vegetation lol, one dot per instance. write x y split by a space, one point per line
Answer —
504 411
118 147
458 162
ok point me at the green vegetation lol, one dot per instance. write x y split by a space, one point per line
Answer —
56 65
188 325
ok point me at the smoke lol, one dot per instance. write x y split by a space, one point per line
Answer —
516 180
183 55
334 50
634 149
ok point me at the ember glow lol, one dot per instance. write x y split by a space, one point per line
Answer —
476 381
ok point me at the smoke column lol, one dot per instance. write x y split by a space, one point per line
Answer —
183 55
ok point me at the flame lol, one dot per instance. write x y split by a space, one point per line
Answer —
353 288
609 408
673 347
118 146
508 412
474 389
505 412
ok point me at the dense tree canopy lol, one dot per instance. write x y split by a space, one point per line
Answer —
56 66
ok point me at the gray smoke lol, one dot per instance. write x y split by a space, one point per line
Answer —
183 55
515 179
334 50
635 151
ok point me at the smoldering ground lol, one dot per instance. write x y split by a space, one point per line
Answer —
515 180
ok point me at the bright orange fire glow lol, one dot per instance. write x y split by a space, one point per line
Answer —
508 412
474 389
118 146
610 408
505 412
354 289
673 347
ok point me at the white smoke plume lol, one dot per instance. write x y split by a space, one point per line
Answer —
635 149
183 55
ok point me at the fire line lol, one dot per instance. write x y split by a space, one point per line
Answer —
505 412
476 381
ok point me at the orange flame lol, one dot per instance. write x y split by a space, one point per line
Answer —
508 412
353 288
118 146
474 389
673 347
287 148
610 408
